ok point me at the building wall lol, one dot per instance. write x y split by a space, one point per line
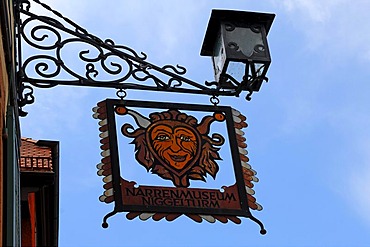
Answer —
40 225
4 89
9 126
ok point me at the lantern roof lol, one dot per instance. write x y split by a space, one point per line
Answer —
218 15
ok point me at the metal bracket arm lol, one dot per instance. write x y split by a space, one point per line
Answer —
100 63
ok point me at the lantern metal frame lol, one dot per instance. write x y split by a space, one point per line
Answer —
38 32
223 25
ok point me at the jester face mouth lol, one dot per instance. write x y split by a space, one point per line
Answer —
178 158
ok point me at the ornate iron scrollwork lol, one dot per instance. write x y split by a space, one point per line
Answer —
102 63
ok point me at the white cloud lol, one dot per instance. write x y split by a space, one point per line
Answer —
359 188
158 28
334 26
316 11
161 25
348 175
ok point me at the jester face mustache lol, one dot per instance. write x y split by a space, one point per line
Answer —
174 146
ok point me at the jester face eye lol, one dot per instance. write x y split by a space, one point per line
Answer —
185 138
162 137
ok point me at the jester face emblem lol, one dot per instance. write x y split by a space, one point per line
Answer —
174 143
174 146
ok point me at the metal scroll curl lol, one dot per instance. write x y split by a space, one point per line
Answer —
97 63
105 63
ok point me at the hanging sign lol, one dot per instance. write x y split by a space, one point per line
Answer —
164 160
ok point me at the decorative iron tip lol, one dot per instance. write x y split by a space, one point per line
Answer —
105 224
263 230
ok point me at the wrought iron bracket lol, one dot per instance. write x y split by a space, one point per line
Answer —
101 63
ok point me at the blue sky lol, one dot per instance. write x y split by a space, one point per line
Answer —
308 136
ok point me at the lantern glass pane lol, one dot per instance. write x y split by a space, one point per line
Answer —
236 70
259 67
219 57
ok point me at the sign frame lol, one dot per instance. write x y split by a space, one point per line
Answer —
114 184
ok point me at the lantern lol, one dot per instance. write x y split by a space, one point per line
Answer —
237 43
